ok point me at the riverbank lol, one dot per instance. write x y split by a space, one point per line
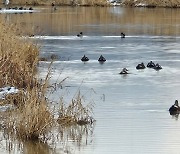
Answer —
152 3
62 2
129 3
24 106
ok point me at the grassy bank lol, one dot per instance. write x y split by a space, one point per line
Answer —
18 58
131 3
29 117
61 2
152 3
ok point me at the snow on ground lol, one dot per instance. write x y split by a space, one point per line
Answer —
7 90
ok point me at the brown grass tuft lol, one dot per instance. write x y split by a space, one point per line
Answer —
18 59
33 119
75 112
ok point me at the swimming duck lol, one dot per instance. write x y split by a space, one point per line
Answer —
124 71
157 67
122 35
80 35
84 58
101 59
140 66
151 64
174 109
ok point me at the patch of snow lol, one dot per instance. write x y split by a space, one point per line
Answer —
17 11
141 5
6 107
7 90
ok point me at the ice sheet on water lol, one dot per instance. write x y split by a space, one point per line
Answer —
17 11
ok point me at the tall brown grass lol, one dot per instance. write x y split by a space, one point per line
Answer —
61 2
31 118
154 3
76 120
18 58
75 112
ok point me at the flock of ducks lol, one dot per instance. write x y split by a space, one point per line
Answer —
151 64
174 109
124 70
85 59
80 35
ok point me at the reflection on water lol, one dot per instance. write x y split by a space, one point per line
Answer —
100 21
26 147
131 111
79 135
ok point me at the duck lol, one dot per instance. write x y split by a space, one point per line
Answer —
101 59
84 58
140 66
30 8
158 67
123 35
80 35
151 64
124 71
174 109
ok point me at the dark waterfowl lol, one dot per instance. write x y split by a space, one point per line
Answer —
151 64
80 35
30 8
140 66
101 59
157 67
21 8
124 71
123 35
84 58
174 109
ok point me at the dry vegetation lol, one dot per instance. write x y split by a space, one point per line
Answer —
148 3
30 117
61 2
75 112
18 59
153 3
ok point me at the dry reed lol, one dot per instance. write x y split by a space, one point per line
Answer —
31 121
149 3
75 112
31 118
61 2
18 59
153 3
